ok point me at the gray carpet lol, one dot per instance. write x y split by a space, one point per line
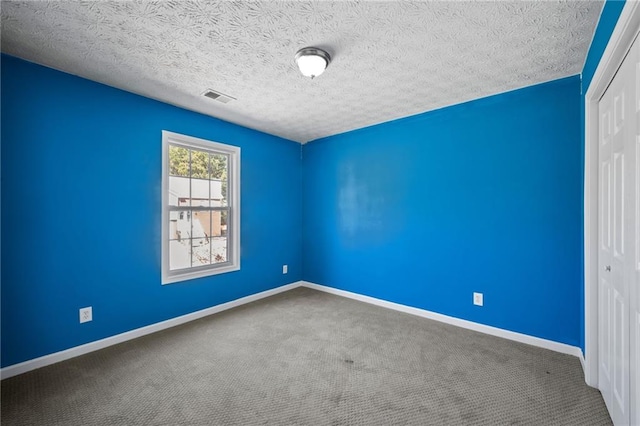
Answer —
308 358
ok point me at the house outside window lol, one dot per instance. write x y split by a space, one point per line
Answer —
200 208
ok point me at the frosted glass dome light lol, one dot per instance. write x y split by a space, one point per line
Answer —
312 61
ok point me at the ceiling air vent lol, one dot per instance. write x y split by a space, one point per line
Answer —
217 96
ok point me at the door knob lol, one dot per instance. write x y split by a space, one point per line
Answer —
607 268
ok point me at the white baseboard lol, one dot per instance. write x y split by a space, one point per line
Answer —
487 329
23 367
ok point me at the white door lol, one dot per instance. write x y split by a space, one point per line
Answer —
633 149
618 111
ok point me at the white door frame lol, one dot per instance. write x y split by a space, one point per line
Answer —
619 43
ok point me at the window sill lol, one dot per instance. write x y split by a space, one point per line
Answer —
199 274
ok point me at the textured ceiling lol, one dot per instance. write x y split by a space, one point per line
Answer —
390 59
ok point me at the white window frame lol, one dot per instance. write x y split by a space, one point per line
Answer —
233 203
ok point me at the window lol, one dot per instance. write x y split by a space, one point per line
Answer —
200 208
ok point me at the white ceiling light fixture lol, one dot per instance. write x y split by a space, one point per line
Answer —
312 61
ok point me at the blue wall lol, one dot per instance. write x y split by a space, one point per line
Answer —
483 196
81 175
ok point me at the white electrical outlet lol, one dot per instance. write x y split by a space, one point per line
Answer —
285 269
478 299
86 314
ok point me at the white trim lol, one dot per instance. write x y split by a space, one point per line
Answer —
470 325
233 195
23 367
619 43
582 361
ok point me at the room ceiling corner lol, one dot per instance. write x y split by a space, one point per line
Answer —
389 59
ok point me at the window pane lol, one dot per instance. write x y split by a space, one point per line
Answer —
201 254
219 249
201 225
174 231
219 246
181 227
219 184
224 216
214 224
200 192
199 164
218 193
178 161
179 254
219 166
179 191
